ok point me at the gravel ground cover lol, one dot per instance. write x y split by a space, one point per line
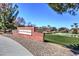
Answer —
43 48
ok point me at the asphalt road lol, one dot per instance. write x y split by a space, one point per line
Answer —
9 47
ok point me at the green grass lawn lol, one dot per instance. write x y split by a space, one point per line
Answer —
61 39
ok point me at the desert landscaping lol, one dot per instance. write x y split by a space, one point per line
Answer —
36 30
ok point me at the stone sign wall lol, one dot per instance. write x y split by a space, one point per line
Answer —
28 33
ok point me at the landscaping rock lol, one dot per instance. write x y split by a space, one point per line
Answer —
43 48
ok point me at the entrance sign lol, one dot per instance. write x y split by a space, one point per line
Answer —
28 32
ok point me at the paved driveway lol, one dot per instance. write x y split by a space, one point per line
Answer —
9 47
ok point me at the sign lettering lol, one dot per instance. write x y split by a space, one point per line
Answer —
28 32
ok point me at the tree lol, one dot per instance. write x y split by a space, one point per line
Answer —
48 26
31 25
63 30
74 28
20 21
74 31
61 8
8 13
76 25
53 29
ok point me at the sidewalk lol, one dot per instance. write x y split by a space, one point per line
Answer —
9 47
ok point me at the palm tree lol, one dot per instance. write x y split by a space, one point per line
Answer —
76 25
75 29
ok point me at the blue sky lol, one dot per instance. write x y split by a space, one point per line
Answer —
41 14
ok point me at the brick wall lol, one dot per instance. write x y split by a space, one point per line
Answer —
35 35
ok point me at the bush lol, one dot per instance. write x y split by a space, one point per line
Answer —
75 31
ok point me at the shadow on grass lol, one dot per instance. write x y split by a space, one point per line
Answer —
74 48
